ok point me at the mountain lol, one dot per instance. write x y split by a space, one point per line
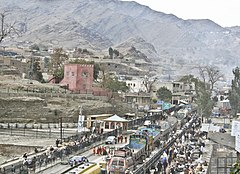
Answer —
164 38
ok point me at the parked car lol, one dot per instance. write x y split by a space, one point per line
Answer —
111 140
147 122
75 160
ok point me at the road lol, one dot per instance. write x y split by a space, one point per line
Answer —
59 168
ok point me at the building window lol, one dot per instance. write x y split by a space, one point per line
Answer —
112 125
72 73
67 73
107 125
84 74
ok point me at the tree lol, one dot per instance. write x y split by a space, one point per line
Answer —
234 94
235 168
209 75
148 83
203 92
164 94
6 28
110 51
96 71
114 85
46 62
37 74
188 79
56 67
116 52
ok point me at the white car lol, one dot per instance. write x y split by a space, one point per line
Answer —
111 140
147 122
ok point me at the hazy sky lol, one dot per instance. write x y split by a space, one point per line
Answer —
224 12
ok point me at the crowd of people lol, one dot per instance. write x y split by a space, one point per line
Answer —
185 155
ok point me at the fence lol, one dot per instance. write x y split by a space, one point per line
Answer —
221 162
49 93
36 133
48 158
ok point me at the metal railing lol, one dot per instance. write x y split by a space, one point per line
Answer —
156 157
46 158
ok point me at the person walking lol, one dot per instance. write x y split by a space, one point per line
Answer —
13 170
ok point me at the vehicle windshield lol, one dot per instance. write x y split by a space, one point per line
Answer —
76 158
121 163
110 138
114 162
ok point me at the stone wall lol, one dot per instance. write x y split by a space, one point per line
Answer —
22 108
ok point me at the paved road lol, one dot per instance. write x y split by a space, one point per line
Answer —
59 168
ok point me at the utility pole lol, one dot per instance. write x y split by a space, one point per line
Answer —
61 129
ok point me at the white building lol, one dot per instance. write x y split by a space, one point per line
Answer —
136 85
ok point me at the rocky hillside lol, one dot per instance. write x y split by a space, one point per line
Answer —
97 25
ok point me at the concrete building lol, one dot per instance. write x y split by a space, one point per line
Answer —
136 85
78 77
180 90
96 123
141 100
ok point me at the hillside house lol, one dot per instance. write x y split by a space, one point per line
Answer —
140 99
180 90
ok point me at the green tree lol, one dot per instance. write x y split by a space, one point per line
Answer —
110 51
235 168
46 62
96 71
209 75
215 99
116 52
234 93
114 85
188 79
164 94
37 74
203 93
56 66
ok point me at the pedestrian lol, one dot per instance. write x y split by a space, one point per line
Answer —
100 150
36 150
94 150
4 170
75 162
25 155
126 139
121 138
164 164
57 142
